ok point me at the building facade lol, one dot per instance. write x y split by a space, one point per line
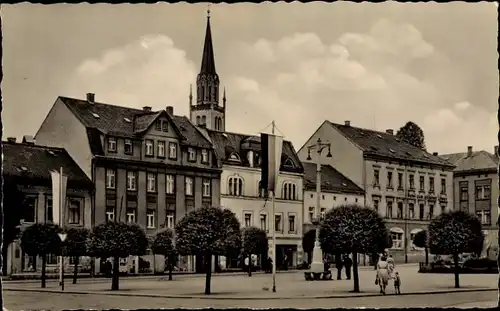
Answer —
406 185
28 166
475 183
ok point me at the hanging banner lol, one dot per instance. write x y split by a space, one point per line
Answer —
271 160
59 184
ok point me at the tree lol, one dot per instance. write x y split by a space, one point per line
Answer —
254 242
40 240
353 229
205 232
420 240
117 240
75 246
308 243
412 134
163 244
454 233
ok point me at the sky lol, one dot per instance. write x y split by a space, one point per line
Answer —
377 65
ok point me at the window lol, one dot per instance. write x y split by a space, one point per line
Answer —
172 151
431 211
110 214
191 154
464 191
311 214
263 222
198 118
375 178
204 120
421 211
164 125
29 214
484 217
322 197
443 209
151 182
389 180
111 144
397 238
291 223
289 191
204 156
51 259
483 192
400 180
277 223
248 220
400 210
161 149
422 183
149 147
131 215
412 181
189 185
388 212
235 186
150 218
110 179
411 211
322 212
129 147
206 187
74 212
375 205
170 184
443 186
158 125
131 181
170 219
431 184
49 216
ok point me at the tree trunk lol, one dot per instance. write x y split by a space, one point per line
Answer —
355 272
75 269
208 268
116 272
426 256
170 262
457 271
44 263
250 265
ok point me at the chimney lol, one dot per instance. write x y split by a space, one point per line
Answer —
435 154
146 108
390 131
11 139
90 98
469 151
496 150
250 158
28 140
347 123
170 110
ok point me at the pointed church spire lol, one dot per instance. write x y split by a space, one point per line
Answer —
208 59
190 94
224 98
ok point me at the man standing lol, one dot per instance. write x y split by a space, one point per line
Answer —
347 265
339 265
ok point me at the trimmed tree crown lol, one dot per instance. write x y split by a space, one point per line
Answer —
254 241
76 242
41 239
118 239
163 243
420 239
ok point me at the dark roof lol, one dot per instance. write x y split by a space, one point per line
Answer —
225 143
478 160
331 179
387 145
36 162
208 59
129 122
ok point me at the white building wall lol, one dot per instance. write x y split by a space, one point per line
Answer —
328 201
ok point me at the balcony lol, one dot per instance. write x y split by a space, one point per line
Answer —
443 197
431 196
411 193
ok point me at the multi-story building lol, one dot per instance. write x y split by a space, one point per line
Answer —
336 190
406 185
28 166
239 157
149 167
475 181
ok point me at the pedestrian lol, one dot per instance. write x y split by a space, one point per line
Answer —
382 274
339 265
397 283
390 266
347 265
285 263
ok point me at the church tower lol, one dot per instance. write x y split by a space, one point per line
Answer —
207 111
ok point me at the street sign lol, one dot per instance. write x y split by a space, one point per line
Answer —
62 236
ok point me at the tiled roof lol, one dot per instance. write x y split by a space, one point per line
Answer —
331 179
126 121
225 143
387 145
36 162
478 160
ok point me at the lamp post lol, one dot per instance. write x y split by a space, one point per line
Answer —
317 258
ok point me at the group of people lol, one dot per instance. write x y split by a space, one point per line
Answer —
342 261
385 272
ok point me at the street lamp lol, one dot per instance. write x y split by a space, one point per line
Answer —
317 258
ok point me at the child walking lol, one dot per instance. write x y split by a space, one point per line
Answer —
397 283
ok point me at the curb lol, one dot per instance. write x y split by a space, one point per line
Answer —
353 295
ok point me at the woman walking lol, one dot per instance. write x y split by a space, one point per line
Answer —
391 266
382 274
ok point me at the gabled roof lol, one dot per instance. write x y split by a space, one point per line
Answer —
128 122
387 145
35 162
331 180
226 143
478 160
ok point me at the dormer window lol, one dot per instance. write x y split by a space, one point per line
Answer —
111 144
234 157
149 147
164 126
289 163
158 125
129 149
204 155
191 154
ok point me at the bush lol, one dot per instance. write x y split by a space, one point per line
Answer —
476 263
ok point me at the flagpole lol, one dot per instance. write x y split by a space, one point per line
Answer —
61 224
274 231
